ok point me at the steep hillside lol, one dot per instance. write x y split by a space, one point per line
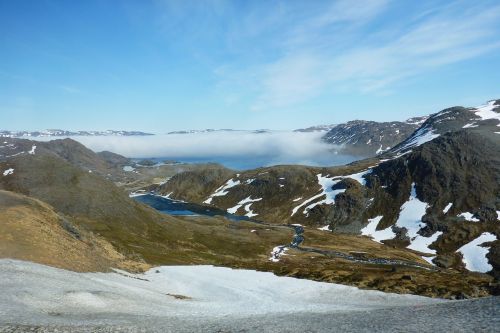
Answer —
436 199
33 230
484 119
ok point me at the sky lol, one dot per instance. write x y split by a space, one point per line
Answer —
159 66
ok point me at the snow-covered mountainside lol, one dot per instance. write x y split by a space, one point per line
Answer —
370 138
64 133
485 118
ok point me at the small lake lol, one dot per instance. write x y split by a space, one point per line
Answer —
174 207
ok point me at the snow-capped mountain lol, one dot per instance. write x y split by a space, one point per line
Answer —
484 118
369 138
58 133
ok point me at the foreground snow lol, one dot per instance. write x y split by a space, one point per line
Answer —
32 292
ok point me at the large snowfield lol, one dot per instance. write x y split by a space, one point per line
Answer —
37 294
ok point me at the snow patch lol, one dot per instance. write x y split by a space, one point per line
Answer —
469 217
222 191
32 151
30 292
447 208
138 193
486 111
377 235
429 260
420 137
8 172
359 177
250 212
410 217
474 255
128 168
248 202
277 253
326 184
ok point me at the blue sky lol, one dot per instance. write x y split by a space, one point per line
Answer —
165 65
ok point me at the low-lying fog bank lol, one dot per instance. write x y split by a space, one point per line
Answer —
234 149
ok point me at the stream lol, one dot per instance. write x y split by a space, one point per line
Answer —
175 207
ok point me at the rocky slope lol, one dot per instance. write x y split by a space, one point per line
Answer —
483 119
437 192
370 138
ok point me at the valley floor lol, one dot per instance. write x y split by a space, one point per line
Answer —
214 299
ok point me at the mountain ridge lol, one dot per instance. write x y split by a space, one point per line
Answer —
58 132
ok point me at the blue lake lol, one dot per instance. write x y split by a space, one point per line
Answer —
174 207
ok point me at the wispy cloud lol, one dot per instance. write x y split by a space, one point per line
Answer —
349 46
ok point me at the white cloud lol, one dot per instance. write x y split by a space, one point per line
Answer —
270 148
351 46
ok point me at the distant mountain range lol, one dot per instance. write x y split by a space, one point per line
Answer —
318 128
58 132
211 130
